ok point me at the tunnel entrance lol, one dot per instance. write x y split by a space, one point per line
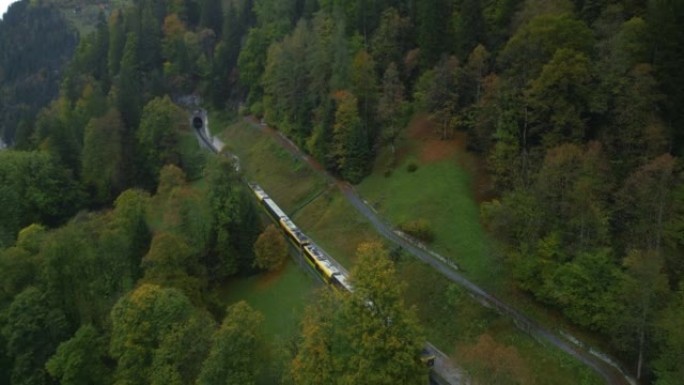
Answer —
197 122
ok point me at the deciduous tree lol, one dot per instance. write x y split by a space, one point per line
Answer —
643 291
491 362
34 188
535 43
141 321
81 359
369 338
237 349
643 203
668 365
33 328
270 249
159 135
382 334
560 99
316 361
171 262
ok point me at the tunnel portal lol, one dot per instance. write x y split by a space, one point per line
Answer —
197 122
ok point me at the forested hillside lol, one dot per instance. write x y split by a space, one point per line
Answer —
35 44
117 231
575 106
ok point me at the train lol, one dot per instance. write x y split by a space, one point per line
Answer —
314 255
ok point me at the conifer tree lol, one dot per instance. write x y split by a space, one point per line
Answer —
350 146
129 90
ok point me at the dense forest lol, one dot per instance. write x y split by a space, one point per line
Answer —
35 44
574 105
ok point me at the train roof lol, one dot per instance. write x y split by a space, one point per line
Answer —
258 191
315 251
330 266
291 227
274 208
289 224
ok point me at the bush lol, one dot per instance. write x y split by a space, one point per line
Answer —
419 229
257 109
270 250
411 167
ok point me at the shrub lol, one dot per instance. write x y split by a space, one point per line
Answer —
257 109
419 229
411 167
270 250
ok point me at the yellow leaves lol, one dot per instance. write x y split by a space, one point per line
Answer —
348 341
143 296
29 237
170 177
270 249
491 362
370 249
173 27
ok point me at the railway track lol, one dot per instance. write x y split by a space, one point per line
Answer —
607 368
444 373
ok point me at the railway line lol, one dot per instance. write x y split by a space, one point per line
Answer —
600 363
607 368
332 272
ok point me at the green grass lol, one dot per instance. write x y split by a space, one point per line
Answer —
320 210
220 119
439 192
284 177
333 223
442 193
280 297
453 320
193 157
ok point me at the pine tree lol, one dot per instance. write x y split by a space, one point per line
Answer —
129 90
390 106
350 146
117 41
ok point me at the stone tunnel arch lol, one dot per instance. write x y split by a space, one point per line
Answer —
197 122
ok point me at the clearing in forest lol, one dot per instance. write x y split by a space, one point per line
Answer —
432 180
